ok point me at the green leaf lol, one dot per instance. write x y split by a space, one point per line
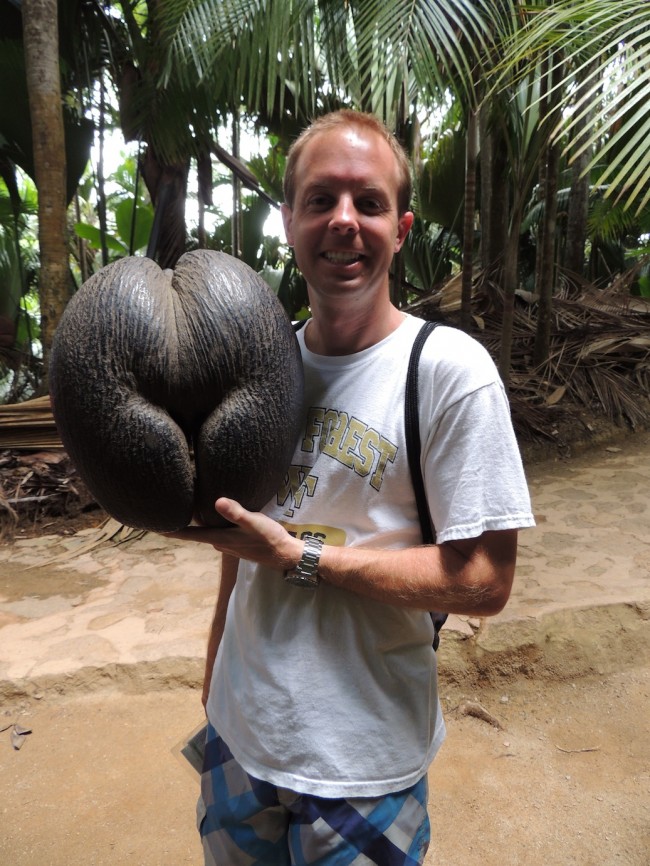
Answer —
124 223
94 236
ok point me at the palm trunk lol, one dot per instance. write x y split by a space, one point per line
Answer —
541 175
468 222
577 215
204 173
487 191
495 206
167 185
578 211
41 40
546 274
398 294
101 185
545 277
165 176
510 283
236 221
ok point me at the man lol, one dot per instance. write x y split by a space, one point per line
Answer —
322 703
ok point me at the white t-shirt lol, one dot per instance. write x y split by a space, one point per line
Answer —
326 692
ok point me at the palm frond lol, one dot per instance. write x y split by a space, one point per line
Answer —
374 51
600 41
249 49
441 42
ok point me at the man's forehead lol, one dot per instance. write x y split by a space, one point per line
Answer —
348 154
354 136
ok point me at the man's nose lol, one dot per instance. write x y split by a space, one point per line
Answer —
344 216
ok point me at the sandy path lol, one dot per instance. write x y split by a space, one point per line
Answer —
566 781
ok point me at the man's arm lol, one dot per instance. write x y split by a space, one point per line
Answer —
229 566
469 576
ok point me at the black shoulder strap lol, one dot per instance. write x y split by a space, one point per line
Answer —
413 451
412 425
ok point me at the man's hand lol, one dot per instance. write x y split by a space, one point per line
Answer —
254 537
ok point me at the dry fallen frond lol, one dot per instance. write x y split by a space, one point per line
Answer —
37 486
599 355
478 711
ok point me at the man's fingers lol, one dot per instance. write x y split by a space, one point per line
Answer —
239 518
230 509
251 522
251 536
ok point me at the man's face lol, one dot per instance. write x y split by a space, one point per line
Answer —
344 225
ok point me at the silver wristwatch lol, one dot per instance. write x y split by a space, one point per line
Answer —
305 574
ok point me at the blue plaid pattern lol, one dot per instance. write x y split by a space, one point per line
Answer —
247 822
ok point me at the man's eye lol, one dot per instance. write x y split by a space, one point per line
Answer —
371 205
318 201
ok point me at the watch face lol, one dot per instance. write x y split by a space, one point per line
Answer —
299 580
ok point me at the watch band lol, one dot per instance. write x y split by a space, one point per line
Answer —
305 574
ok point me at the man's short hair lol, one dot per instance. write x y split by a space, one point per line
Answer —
345 117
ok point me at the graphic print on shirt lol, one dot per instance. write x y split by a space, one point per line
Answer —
298 483
349 441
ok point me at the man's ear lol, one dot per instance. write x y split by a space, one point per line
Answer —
287 219
404 224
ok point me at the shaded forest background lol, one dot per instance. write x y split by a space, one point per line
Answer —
526 125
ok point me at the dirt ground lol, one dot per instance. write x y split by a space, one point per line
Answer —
565 780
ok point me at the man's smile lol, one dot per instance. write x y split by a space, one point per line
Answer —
342 258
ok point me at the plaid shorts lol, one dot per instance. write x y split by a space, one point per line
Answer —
246 822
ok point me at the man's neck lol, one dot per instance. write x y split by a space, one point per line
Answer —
340 332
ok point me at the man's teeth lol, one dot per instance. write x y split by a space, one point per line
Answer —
343 258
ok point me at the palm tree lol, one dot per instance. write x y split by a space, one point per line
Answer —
606 48
511 164
49 53
41 37
604 130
